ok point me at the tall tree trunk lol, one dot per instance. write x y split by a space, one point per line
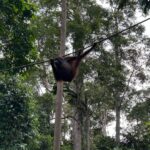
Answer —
81 123
58 109
103 121
76 130
117 94
86 132
85 126
59 96
77 139
117 120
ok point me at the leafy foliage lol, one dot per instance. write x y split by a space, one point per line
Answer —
27 100
46 129
15 126
145 4
16 35
104 143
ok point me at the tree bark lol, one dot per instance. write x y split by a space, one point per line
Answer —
57 130
103 121
86 126
76 130
118 120
86 132
59 96
117 94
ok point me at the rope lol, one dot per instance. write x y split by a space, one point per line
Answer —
109 37
100 41
26 65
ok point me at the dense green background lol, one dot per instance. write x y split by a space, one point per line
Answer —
112 82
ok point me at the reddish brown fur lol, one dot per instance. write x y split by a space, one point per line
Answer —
66 69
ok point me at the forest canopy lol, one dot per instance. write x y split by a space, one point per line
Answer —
106 106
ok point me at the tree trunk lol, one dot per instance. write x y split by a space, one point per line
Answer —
103 121
59 96
76 130
86 132
57 130
85 126
118 120
117 48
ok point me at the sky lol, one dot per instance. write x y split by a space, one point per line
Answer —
146 24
